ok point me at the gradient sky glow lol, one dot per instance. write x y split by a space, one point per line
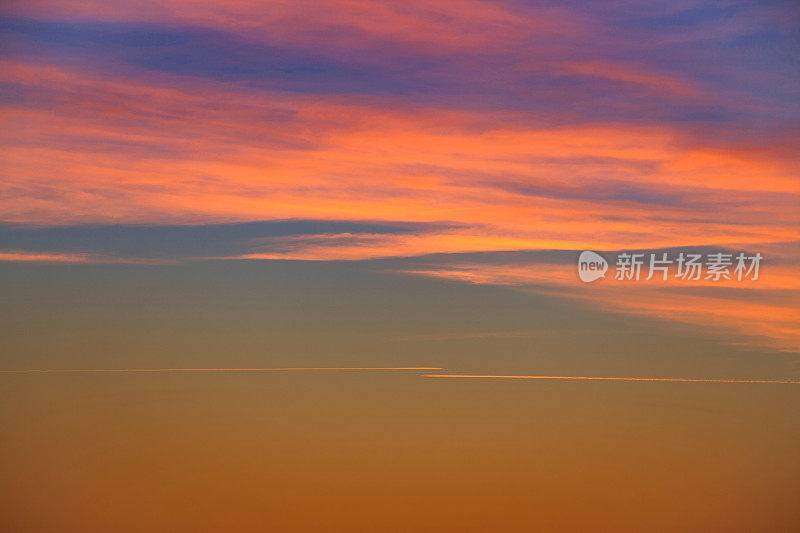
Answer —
343 184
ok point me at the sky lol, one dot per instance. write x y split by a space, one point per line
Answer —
376 187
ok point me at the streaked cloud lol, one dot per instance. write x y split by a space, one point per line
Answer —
148 370
23 256
598 378
473 335
763 312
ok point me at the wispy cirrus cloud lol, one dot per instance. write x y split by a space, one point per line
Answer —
25 256
762 312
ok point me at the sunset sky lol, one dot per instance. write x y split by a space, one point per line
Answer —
367 195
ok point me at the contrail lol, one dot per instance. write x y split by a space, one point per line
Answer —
593 378
138 370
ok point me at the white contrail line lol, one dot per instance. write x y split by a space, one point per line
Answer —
593 378
140 370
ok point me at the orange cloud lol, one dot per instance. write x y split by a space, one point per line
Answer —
24 256
141 153
653 81
763 312
160 151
